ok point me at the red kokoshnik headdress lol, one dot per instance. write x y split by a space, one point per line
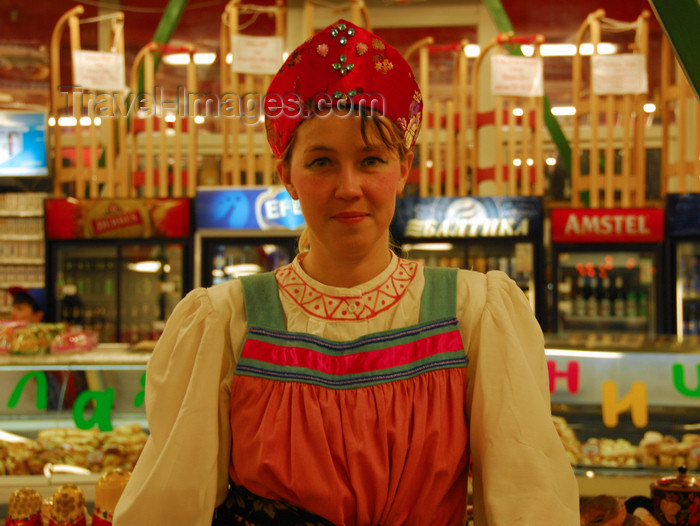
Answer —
342 66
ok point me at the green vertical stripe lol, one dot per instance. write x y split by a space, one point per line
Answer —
439 298
166 27
262 302
500 18
680 20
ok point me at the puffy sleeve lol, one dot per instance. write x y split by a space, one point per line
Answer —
521 474
181 474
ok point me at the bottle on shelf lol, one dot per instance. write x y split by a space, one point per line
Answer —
217 272
566 304
605 307
619 297
592 297
580 297
642 304
631 307
691 324
694 281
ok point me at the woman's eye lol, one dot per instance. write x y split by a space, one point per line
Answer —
320 162
373 161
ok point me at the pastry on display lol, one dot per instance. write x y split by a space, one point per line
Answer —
568 438
645 517
24 338
656 449
108 489
603 510
90 449
609 452
24 508
68 507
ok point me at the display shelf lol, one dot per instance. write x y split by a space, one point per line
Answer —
26 285
20 213
623 483
106 356
22 261
31 425
18 237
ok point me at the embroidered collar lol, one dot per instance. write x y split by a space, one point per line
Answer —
356 303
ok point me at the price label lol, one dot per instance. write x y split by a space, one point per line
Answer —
695 453
99 70
590 450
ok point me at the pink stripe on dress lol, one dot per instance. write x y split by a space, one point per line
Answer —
357 362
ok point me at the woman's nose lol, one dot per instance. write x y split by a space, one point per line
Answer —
348 182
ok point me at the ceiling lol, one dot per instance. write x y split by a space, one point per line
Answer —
25 29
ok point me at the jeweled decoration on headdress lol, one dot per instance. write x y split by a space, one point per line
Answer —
334 67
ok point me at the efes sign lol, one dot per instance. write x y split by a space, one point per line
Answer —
468 217
254 208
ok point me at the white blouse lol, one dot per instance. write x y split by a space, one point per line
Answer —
521 474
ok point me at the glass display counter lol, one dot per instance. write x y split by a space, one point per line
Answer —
65 418
627 407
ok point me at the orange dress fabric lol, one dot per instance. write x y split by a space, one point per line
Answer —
389 453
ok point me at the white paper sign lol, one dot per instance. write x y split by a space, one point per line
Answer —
259 55
517 76
619 74
99 70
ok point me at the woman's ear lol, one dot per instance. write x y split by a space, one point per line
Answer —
286 178
405 170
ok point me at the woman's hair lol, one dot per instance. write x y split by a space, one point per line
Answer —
372 127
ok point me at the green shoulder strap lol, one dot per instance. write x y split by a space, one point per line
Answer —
439 299
262 301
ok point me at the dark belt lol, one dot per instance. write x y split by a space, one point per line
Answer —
245 508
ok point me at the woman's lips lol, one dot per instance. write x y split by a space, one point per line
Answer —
350 217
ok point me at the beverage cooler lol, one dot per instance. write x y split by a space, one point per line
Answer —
242 231
683 261
117 266
478 233
607 267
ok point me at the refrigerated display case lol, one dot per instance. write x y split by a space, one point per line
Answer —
478 233
607 271
117 266
629 408
242 231
104 428
683 262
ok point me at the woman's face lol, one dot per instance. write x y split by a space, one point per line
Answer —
347 188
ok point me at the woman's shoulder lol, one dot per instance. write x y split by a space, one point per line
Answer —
223 298
226 296
477 291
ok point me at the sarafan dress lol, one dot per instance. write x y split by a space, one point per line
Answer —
357 406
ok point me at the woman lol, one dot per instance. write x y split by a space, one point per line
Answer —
350 387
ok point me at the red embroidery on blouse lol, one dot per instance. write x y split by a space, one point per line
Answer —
328 307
